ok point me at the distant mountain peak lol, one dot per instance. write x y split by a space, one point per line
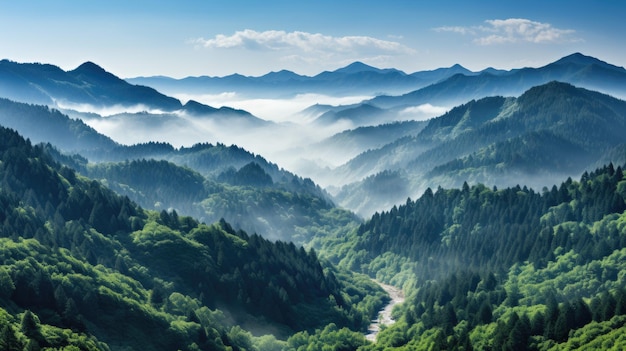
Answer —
281 72
282 75
92 71
358 66
194 107
579 59
89 67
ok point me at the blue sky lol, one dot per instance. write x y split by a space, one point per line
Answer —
190 38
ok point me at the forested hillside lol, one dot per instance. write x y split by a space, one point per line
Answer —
83 267
290 209
206 181
151 246
549 133
509 269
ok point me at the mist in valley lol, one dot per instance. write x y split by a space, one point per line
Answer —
364 167
369 152
287 136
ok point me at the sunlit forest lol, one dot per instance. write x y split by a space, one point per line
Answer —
501 222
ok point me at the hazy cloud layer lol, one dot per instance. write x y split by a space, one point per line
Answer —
513 30
307 42
423 112
275 110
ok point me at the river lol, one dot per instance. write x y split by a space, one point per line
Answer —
384 316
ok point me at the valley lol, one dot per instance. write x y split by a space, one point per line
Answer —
486 210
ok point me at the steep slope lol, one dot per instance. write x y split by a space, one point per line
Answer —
42 124
78 259
87 84
288 207
501 269
589 121
346 145
500 141
89 88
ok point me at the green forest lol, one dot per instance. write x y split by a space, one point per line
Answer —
85 268
501 269
112 247
206 181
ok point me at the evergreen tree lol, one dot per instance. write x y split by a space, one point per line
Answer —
484 315
32 330
8 339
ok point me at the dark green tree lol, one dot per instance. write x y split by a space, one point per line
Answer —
8 339
32 330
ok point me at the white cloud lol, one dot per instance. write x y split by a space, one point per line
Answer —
106 111
302 41
276 110
455 29
423 112
514 30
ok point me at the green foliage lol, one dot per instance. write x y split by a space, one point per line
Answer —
331 338
150 182
548 133
76 260
206 181
608 335
258 196
484 269
497 269
251 174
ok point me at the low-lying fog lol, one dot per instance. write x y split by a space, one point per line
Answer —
275 110
288 140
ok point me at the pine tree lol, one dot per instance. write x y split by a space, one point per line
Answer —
6 283
32 330
484 315
8 339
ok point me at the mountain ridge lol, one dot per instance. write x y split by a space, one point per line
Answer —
458 85
486 262
91 85
590 121
77 259
459 88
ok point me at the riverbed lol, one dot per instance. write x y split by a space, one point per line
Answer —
384 316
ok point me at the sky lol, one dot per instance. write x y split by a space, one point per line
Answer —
217 38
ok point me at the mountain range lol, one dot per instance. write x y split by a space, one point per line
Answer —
112 246
577 69
335 161
550 132
83 266
356 78
209 181
89 87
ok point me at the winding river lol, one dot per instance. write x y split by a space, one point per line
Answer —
384 316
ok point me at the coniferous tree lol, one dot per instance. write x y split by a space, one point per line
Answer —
32 330
484 315
8 339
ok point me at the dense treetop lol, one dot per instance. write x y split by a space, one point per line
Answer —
77 259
